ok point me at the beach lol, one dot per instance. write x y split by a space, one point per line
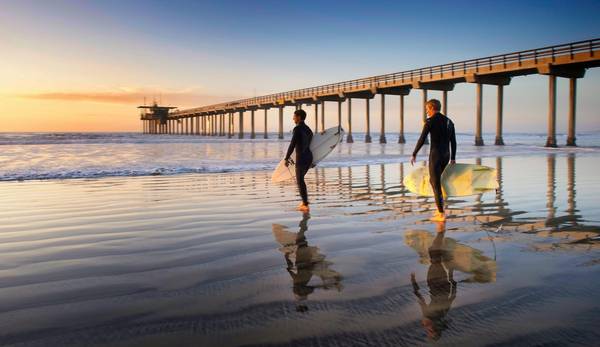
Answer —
180 241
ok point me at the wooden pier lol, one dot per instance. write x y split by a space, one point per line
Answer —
567 60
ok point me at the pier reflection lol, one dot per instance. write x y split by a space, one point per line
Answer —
478 210
303 262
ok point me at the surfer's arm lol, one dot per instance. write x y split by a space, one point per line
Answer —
292 145
452 143
421 141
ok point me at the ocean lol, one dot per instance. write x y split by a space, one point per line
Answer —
31 156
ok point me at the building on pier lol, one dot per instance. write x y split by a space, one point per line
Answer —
155 118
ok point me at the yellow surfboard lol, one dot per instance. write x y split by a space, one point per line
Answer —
457 180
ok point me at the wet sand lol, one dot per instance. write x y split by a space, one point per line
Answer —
224 260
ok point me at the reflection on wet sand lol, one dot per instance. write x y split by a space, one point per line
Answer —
304 261
493 214
444 256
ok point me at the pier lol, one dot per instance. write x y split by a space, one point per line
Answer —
566 60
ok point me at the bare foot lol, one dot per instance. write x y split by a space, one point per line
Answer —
303 208
438 217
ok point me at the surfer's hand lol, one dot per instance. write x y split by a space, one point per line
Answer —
452 162
287 162
412 160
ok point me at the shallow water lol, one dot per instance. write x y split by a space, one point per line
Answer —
31 156
223 259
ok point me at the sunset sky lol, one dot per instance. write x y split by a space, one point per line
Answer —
86 65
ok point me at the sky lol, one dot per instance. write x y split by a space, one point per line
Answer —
86 65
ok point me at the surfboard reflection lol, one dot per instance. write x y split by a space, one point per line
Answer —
444 256
303 262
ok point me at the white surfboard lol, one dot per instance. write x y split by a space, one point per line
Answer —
321 145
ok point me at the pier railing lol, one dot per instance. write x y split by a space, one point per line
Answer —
451 69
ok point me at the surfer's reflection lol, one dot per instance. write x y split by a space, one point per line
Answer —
304 261
445 255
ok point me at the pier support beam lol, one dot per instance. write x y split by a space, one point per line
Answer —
241 125
368 119
551 141
382 132
349 138
572 108
252 132
401 138
198 125
229 130
499 80
425 113
339 115
445 102
499 140
280 132
316 117
479 115
221 124
266 136
323 116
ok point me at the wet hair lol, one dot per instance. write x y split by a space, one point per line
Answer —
300 113
435 104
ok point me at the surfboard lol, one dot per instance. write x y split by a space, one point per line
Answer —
321 145
457 180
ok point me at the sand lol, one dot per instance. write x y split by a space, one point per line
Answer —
223 259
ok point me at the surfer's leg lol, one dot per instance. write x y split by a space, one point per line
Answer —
300 173
435 178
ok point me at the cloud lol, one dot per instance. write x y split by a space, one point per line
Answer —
133 96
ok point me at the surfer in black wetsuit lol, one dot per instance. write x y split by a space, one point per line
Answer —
442 150
304 158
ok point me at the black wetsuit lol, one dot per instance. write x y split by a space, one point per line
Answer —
301 142
442 150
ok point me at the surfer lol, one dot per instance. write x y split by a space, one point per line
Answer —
442 150
301 138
